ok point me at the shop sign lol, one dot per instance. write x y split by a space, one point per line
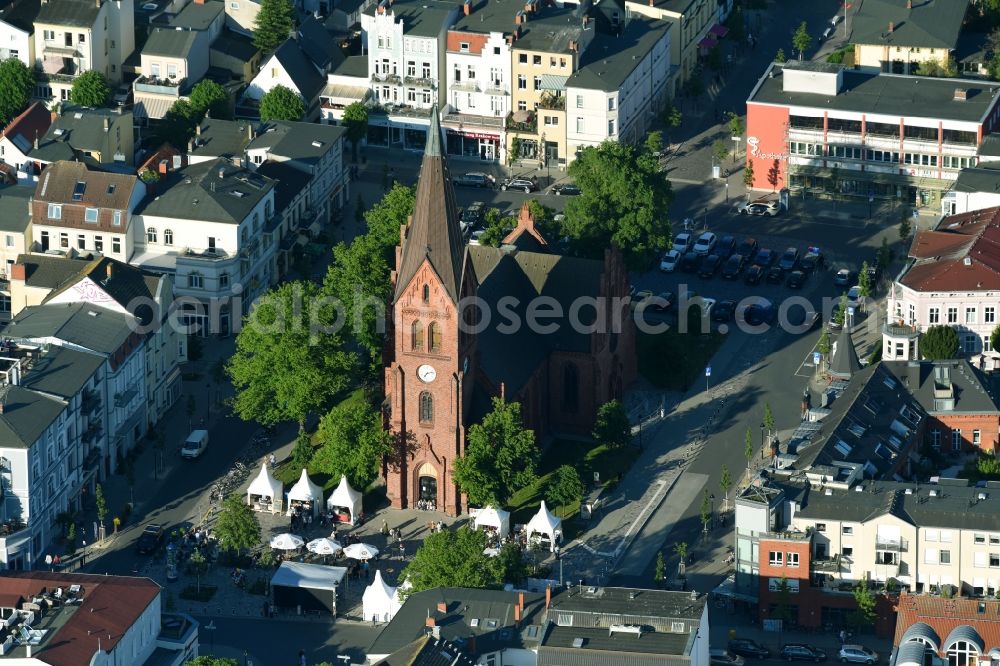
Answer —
475 135
753 143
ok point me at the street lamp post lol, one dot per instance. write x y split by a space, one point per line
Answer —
711 511
761 440
736 147
725 173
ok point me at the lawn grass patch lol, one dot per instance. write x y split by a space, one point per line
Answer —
674 361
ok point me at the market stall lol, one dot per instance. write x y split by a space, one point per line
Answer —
307 587
380 601
305 496
543 525
264 493
345 503
493 520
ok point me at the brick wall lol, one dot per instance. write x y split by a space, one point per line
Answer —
987 424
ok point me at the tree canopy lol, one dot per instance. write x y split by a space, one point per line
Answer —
938 343
210 660
454 558
209 97
355 121
802 40
565 487
935 67
90 89
352 442
612 426
177 126
281 103
500 456
624 201
16 85
237 528
288 361
273 24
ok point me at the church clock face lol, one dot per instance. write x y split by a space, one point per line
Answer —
426 373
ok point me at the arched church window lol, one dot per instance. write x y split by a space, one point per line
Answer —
416 336
434 333
426 407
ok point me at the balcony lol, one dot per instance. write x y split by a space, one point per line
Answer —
155 86
91 401
462 120
205 254
892 545
92 460
899 330
550 101
9 528
386 78
420 82
529 124
401 110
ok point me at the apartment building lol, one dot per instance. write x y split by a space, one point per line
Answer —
405 41
171 63
17 30
620 86
99 137
75 36
206 226
974 189
901 138
345 84
478 68
15 238
215 138
823 537
896 36
949 279
295 222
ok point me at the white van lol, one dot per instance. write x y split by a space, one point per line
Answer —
195 444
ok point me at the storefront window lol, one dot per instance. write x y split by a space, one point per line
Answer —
415 139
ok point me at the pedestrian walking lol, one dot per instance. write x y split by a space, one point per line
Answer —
385 528
843 636
271 460
302 658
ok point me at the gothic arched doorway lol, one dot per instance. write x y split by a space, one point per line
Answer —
427 484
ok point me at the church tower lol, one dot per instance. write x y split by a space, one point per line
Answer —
428 357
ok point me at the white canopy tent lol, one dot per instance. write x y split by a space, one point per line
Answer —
545 524
498 519
264 493
307 587
306 491
345 497
380 601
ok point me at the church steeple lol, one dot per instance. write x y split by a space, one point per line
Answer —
433 232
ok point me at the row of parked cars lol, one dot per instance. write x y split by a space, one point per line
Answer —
518 183
709 254
741 649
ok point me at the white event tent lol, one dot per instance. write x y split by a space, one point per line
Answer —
305 490
264 493
380 601
345 497
545 524
498 519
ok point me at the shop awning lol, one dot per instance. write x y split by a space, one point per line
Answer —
708 42
719 30
344 94
553 82
152 107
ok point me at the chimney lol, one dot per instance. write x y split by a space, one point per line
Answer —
110 269
517 616
250 132
572 42
107 124
97 3
548 596
961 94
891 26
520 600
18 272
197 129
467 7
430 622
163 167
442 607
909 4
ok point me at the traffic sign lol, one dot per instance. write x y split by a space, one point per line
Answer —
815 358
708 371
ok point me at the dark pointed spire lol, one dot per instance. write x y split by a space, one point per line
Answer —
845 361
433 232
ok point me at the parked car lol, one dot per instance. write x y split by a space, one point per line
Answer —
748 248
122 96
195 444
758 209
857 654
723 311
801 652
709 266
668 264
775 275
689 262
733 267
474 179
854 296
842 277
810 262
725 658
682 242
473 214
756 314
565 190
706 243
796 279
526 185
665 301
725 247
746 647
150 539
742 208
754 274
789 259
765 257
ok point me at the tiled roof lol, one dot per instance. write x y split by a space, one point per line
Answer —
15 214
961 254
76 13
89 326
973 392
26 414
945 616
428 651
31 124
21 14
104 190
45 272
923 23
300 69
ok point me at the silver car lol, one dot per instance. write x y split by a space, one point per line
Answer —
858 654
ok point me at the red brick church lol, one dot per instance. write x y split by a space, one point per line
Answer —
440 376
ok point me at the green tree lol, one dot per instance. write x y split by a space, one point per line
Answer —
865 600
497 226
625 202
501 456
102 504
237 528
565 488
736 126
840 313
768 420
939 343
17 83
454 558
904 224
748 447
356 123
285 365
935 67
995 338
612 426
823 346
705 511
281 103
71 538
210 660
358 276
681 551
725 483
177 125
780 56
209 97
748 175
654 142
302 452
90 89
353 443
274 24
660 569
802 40
672 116
864 280
720 150
197 565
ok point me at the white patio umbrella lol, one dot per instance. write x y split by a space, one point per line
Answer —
323 546
361 551
287 541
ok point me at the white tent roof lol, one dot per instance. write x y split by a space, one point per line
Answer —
311 576
265 484
496 518
305 490
345 496
380 600
545 523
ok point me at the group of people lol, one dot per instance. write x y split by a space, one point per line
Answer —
427 505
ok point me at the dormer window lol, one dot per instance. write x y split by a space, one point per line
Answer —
463 47
55 212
